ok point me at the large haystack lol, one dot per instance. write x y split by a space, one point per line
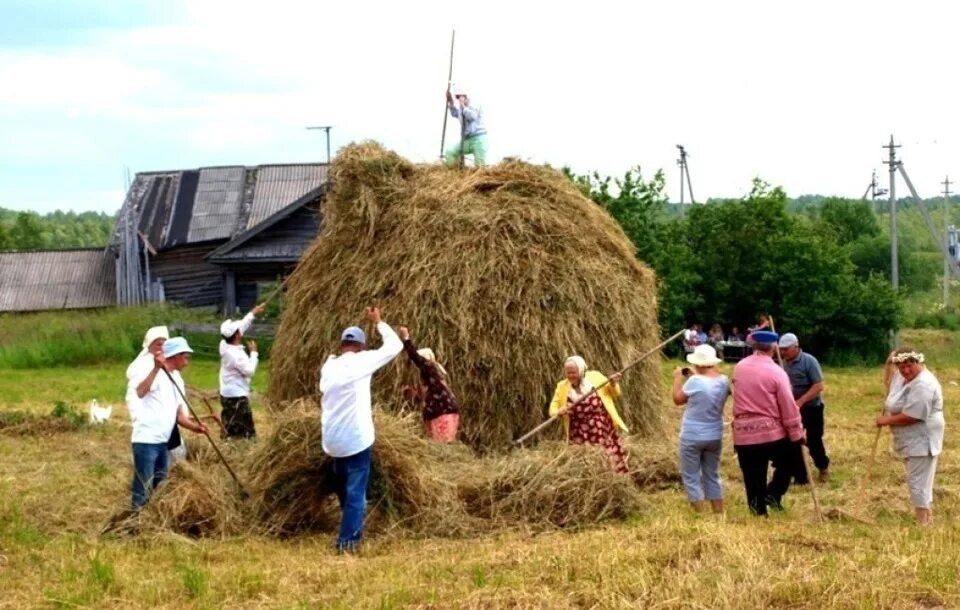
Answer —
503 271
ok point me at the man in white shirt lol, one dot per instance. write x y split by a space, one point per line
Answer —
346 420
236 371
155 416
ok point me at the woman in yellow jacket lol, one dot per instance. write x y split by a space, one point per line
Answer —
595 420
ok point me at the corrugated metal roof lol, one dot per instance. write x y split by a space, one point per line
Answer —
56 279
217 204
279 185
176 208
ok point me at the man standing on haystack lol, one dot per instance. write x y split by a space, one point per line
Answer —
474 140
346 420
806 378
766 424
236 371
156 415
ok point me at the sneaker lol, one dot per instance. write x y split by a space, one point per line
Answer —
824 475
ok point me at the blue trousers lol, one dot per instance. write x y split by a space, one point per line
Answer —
150 465
700 469
351 475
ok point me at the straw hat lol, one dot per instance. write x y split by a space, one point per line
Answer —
703 355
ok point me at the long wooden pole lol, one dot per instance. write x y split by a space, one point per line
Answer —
446 106
803 452
206 433
594 390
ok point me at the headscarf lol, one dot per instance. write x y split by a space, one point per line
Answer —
427 354
154 333
586 387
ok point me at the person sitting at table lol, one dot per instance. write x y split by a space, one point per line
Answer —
715 339
701 335
735 336
691 339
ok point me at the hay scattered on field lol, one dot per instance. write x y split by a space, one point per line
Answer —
197 500
504 271
291 485
416 486
35 425
558 485
653 462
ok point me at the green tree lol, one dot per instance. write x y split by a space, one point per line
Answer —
27 232
849 220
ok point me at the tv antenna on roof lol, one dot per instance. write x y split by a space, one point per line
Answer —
327 129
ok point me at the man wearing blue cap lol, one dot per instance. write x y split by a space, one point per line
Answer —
159 411
346 420
766 424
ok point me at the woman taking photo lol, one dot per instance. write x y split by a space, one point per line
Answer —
701 431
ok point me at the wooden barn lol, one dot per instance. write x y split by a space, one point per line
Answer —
42 280
209 237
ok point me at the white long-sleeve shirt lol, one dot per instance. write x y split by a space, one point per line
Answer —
346 415
154 415
236 367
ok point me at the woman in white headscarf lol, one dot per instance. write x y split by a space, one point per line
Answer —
441 413
138 370
914 412
590 418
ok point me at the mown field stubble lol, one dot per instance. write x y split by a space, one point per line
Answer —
58 489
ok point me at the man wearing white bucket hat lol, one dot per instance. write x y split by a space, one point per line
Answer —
701 432
472 127
236 372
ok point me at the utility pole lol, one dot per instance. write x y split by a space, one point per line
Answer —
874 191
894 259
946 236
684 178
327 129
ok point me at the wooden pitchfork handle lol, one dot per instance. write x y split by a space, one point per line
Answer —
206 433
553 418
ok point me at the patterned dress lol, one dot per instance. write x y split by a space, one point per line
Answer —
441 413
591 424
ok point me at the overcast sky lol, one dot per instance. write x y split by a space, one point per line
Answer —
800 94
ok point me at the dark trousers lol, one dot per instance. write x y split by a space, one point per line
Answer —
237 417
754 463
351 475
149 469
812 416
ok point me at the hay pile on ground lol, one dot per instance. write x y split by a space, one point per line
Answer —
559 485
290 477
417 486
504 271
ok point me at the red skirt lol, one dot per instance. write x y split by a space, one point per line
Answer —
591 424
443 428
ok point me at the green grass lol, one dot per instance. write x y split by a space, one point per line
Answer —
48 339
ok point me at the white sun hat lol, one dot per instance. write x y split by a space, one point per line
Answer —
703 355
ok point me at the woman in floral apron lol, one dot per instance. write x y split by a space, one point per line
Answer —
592 420
441 413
